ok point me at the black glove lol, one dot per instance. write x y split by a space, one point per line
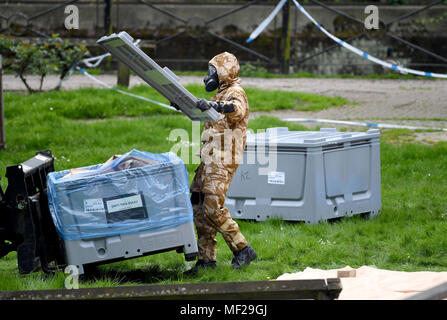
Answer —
220 107
203 105
175 106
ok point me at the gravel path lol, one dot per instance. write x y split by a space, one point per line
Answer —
373 99
406 102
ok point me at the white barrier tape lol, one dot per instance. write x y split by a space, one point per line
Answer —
98 60
362 124
364 54
88 62
266 22
124 92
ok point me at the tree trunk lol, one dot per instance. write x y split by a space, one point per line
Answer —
30 90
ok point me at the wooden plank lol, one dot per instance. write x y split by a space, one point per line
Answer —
346 273
436 293
258 290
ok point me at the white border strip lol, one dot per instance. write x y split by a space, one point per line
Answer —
362 124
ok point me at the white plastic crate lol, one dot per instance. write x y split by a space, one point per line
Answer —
116 211
319 175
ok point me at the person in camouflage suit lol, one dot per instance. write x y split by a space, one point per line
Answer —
222 150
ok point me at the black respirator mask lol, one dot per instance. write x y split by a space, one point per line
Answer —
211 80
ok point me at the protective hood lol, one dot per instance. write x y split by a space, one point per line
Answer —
227 69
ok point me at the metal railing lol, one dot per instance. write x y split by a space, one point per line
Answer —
191 26
203 26
387 33
196 26
26 28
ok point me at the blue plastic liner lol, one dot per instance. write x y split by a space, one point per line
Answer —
103 203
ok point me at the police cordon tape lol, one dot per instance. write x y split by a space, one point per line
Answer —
354 123
88 62
362 124
364 54
124 92
266 22
351 48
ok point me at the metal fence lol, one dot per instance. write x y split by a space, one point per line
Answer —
280 54
384 25
19 24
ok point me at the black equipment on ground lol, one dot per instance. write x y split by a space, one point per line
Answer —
26 225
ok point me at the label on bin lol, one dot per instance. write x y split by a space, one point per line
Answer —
125 207
126 203
93 205
276 177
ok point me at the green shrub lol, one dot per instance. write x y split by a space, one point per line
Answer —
249 70
40 57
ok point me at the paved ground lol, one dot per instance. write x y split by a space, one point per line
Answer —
407 102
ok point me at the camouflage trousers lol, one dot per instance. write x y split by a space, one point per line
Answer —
209 188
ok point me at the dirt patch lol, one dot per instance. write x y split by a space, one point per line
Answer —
430 137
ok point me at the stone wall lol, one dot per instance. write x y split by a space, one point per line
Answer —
194 48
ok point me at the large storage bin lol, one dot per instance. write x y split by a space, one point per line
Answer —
319 175
120 210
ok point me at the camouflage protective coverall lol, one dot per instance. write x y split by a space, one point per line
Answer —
222 150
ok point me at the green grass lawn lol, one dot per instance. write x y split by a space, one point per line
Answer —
87 126
97 103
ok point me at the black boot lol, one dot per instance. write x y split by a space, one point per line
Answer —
243 257
200 264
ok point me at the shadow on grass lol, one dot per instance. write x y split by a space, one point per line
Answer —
353 217
278 221
147 275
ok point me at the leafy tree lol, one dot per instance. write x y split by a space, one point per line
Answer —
40 57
